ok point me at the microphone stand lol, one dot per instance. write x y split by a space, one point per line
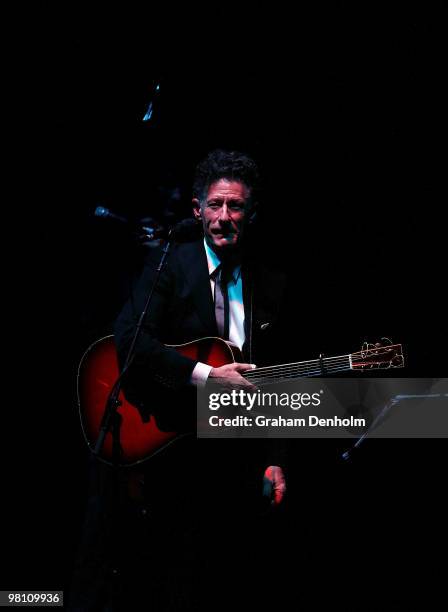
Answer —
113 402
184 229
390 404
111 422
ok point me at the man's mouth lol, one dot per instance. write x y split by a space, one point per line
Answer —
221 232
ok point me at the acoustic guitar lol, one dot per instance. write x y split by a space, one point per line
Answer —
139 440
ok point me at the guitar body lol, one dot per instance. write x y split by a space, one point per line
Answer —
139 440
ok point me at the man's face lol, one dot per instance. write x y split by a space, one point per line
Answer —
224 213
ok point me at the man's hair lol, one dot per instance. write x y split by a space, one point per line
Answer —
231 165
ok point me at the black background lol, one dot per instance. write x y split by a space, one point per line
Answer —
344 111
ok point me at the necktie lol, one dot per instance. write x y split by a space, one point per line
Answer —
221 296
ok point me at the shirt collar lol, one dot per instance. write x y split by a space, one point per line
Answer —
213 262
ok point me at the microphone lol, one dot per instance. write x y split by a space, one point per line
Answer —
105 213
184 231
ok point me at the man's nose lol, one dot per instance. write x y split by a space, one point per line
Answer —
224 214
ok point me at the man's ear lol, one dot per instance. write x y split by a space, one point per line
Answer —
196 209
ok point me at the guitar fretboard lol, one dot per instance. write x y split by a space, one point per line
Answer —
315 367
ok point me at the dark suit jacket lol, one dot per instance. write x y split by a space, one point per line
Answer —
182 310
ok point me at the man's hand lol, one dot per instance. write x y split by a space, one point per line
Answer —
229 376
274 485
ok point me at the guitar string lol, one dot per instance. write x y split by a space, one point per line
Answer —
300 366
266 382
250 374
327 362
362 355
273 379
296 373
325 359
311 362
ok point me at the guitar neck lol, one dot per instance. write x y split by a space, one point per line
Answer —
314 367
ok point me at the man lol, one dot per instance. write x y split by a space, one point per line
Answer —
196 518
210 287
188 513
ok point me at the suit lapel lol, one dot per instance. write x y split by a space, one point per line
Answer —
262 290
195 269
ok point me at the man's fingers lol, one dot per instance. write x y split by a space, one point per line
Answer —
236 383
230 376
279 489
244 367
274 477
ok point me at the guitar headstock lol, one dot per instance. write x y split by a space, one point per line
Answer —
378 357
